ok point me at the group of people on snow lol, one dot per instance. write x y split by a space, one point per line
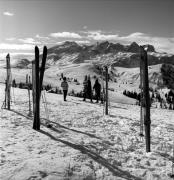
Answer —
87 89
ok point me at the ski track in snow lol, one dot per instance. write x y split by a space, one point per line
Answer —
82 143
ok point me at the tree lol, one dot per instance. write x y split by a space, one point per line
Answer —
167 71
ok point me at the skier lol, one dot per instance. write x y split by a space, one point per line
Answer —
64 86
97 88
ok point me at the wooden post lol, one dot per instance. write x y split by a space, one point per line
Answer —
141 100
106 107
28 85
5 101
8 82
172 175
146 99
33 86
36 123
26 79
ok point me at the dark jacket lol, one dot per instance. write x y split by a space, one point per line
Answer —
97 87
89 88
85 85
64 85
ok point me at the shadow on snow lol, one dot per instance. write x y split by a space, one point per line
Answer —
96 157
99 159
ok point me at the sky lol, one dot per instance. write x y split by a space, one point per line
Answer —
26 23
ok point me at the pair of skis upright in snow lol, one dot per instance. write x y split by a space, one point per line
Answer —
37 80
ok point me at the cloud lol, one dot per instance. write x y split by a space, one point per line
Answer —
42 37
60 42
29 41
136 34
10 39
85 27
82 42
13 54
66 35
6 46
93 32
97 35
6 13
161 44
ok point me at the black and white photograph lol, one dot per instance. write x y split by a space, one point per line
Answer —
87 89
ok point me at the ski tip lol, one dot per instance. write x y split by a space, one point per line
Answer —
36 48
44 52
8 55
45 48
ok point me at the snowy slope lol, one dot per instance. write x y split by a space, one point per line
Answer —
82 143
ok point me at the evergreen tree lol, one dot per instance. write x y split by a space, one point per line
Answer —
167 71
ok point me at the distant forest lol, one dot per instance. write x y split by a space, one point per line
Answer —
167 71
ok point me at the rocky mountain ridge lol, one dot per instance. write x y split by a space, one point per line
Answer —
121 55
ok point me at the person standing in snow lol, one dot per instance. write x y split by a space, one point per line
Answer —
89 88
64 86
97 88
85 86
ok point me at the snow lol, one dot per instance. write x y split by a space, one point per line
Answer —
160 54
82 143
127 78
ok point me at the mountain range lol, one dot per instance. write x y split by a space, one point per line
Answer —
76 60
120 55
117 55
